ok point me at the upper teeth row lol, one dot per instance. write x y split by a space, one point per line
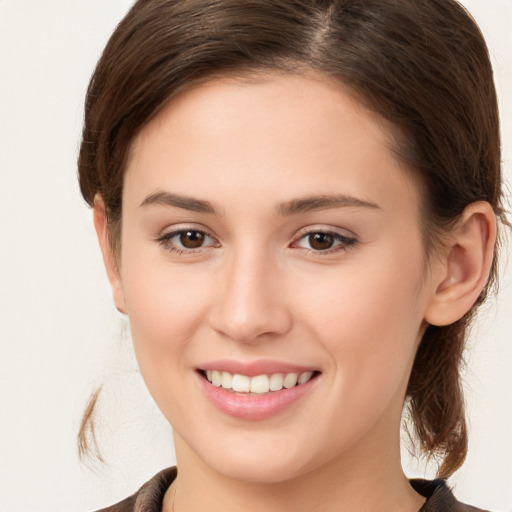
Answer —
258 384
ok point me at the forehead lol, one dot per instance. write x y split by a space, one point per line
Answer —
279 133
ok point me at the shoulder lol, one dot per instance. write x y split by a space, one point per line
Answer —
149 497
440 497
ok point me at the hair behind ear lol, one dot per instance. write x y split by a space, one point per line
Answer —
436 402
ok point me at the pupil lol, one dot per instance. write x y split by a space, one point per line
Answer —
321 241
192 239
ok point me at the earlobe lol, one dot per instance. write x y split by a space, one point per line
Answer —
465 268
109 258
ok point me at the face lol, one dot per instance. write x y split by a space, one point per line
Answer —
274 276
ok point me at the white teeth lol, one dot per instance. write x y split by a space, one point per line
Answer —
241 383
290 380
304 377
259 384
276 382
216 378
226 380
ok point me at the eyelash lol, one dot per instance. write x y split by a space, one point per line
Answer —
345 243
166 240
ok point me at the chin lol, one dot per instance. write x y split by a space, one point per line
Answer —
256 459
267 470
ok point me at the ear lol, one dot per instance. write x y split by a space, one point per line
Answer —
465 265
109 259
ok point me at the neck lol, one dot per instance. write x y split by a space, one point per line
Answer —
365 480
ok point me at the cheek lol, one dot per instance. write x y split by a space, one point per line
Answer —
166 306
369 321
361 303
166 311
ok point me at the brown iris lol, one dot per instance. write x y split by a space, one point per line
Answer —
192 239
321 241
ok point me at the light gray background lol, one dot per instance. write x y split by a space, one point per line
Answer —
59 333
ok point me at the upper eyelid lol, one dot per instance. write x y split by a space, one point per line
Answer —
180 229
343 232
332 233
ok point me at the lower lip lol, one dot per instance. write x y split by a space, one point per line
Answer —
255 407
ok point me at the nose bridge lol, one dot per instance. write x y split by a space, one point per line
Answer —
251 303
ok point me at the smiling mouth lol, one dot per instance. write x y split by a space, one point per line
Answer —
259 384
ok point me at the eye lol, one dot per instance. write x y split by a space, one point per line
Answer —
325 241
191 239
184 240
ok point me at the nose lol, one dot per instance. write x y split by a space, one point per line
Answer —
251 302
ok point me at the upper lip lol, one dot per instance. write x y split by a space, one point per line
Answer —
254 368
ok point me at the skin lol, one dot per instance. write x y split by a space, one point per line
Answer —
257 289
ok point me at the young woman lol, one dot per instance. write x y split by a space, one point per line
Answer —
297 207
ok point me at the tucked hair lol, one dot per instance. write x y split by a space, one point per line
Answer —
422 65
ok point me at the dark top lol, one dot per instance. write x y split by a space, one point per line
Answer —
150 496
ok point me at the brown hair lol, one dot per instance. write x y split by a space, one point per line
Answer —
421 64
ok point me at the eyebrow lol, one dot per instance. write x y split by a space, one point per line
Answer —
179 201
288 208
323 202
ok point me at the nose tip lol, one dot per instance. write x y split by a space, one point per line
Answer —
249 327
252 306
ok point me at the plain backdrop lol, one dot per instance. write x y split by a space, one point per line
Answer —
60 335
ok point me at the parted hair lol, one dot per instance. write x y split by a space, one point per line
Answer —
422 65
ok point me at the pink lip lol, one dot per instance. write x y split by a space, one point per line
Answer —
254 368
254 407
